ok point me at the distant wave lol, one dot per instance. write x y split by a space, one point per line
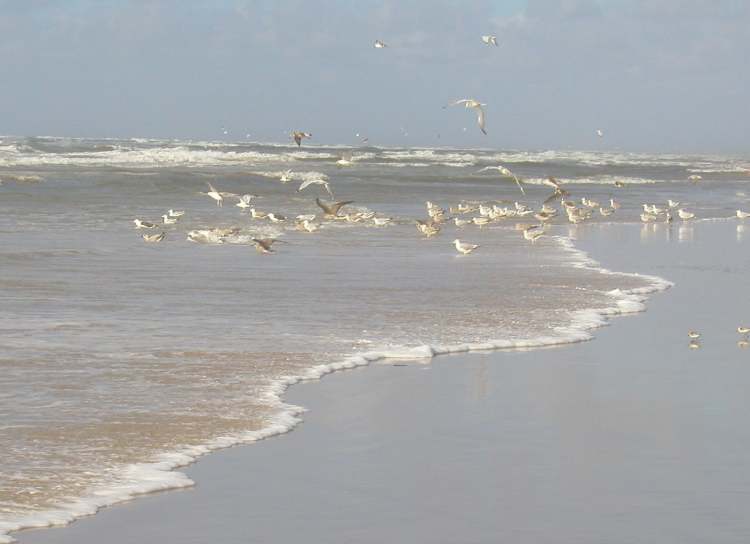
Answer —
145 153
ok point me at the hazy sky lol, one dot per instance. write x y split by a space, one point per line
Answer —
653 74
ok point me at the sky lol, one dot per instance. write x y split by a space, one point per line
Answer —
654 75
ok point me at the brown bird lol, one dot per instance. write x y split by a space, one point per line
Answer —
299 136
331 209
263 245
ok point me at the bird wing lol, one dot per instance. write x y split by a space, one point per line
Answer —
480 118
457 102
323 206
305 183
336 206
518 182
211 188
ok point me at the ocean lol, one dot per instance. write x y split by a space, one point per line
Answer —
122 360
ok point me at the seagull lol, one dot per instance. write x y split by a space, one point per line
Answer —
672 204
381 221
216 195
464 247
245 200
742 215
549 181
319 181
306 217
286 176
331 209
490 40
175 213
143 224
256 214
606 211
169 220
263 245
694 335
307 226
428 228
695 177
685 215
600 133
473 104
694 344
743 330
613 204
154 237
276 218
533 233
379 45
505 173
299 136
461 222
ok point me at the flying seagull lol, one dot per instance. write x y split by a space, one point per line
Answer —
319 181
331 209
473 104
299 136
490 40
379 44
505 173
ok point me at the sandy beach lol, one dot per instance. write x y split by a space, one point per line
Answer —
632 437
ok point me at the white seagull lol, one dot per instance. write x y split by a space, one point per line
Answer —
319 181
742 215
505 173
175 213
490 40
684 214
169 220
464 247
216 195
144 224
476 105
379 44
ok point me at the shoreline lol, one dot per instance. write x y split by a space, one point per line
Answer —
601 441
165 473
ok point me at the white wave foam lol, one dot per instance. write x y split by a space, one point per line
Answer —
602 180
141 478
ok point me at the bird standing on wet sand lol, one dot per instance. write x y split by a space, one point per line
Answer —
331 209
464 247
216 195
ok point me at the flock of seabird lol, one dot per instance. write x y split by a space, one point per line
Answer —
743 342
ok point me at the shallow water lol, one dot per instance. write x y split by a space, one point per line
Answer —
121 359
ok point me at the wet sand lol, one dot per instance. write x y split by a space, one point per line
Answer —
632 437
